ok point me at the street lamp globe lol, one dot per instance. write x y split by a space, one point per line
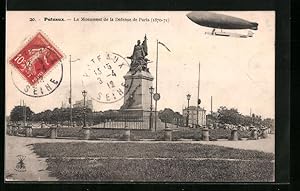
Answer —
151 89
84 93
188 96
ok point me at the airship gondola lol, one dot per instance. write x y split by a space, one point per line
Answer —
220 21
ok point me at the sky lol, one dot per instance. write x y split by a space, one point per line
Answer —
236 72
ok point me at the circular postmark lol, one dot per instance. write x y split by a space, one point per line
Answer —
44 86
103 77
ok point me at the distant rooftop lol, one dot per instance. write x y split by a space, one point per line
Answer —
195 108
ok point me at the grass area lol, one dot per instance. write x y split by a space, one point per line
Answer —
260 168
180 133
160 170
84 149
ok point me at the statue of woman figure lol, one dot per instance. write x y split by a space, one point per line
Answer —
140 51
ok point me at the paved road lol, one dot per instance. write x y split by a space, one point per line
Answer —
36 167
266 145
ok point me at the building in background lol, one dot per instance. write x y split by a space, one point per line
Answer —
88 104
193 116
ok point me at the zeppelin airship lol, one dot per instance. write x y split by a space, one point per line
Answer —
220 21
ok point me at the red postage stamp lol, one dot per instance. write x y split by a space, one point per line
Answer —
36 58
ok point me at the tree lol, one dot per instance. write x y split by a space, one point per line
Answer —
232 116
270 123
60 115
166 115
247 120
211 119
169 116
17 113
46 116
256 120
229 116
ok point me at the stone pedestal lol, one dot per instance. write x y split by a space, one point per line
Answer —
234 135
205 134
53 132
87 133
168 134
137 95
137 98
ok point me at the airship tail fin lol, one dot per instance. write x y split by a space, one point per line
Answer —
254 26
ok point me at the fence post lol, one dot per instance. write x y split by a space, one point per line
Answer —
125 119
53 132
127 135
234 135
205 134
87 133
28 131
254 134
14 130
9 129
168 134
264 132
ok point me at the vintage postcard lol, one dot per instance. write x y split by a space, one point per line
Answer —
140 96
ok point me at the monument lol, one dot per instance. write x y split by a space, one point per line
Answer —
138 80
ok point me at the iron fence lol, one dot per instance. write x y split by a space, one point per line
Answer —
123 120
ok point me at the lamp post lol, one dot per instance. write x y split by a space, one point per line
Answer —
188 109
24 113
84 119
151 89
70 98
